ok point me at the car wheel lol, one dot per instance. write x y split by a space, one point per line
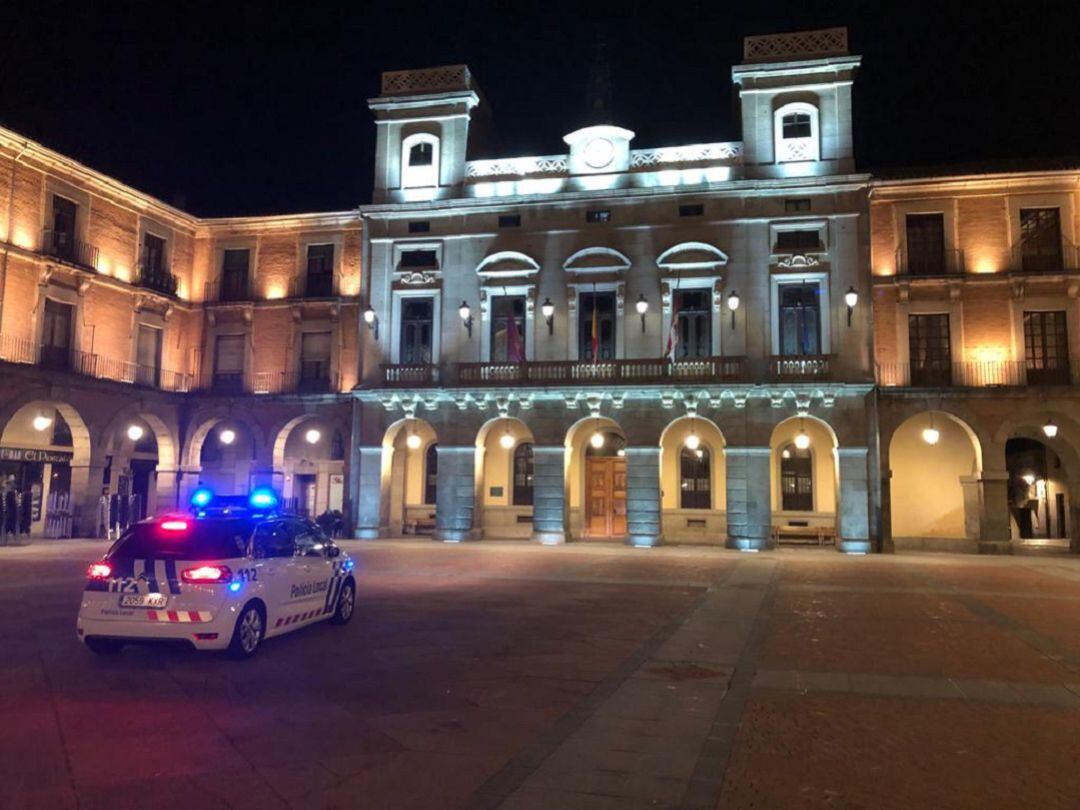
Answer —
104 646
346 604
248 633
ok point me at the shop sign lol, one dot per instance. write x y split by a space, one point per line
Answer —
30 454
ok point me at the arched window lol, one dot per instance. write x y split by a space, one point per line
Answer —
797 133
796 480
523 475
420 160
431 473
695 474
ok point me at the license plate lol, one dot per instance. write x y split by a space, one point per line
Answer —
140 600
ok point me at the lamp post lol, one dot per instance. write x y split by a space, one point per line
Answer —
851 298
466 317
733 304
372 320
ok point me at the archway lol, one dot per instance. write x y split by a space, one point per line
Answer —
805 480
410 477
227 453
140 466
1039 499
45 455
309 466
935 460
596 479
693 482
504 479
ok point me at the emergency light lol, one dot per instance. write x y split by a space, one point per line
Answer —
201 497
262 498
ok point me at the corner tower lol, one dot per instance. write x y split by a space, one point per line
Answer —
422 119
795 96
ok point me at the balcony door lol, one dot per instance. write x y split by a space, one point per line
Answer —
315 361
508 329
63 230
148 356
695 324
596 326
1040 240
926 244
234 275
417 330
56 334
229 363
800 320
929 351
1046 348
605 497
320 271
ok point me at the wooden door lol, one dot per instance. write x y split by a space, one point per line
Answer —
605 497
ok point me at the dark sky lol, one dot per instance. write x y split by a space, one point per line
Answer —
259 108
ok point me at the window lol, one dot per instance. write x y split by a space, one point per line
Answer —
425 259
1040 239
420 226
56 334
320 271
797 125
148 355
431 473
797 241
234 275
229 362
695 210
508 329
798 206
796 133
695 323
421 154
153 258
596 326
417 324
1046 348
510 220
925 244
307 539
928 350
695 487
800 320
598 216
420 161
796 480
61 241
272 540
523 475
314 361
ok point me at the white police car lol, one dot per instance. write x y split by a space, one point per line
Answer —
222 578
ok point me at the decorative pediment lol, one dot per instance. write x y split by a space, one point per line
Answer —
507 264
798 260
596 261
692 256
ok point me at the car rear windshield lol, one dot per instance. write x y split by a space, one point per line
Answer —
202 540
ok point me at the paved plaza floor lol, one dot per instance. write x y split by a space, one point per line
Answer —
584 676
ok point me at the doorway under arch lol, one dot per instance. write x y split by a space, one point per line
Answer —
504 479
410 473
596 479
693 482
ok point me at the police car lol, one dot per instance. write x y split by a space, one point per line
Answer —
224 577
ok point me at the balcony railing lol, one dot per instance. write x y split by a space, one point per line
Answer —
407 375
799 367
313 286
89 364
292 382
65 247
229 289
1026 260
970 374
705 369
929 263
156 278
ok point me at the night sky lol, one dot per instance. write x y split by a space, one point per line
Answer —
249 108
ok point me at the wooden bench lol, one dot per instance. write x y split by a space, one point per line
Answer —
803 535
420 526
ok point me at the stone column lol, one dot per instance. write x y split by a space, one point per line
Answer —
643 496
854 500
365 492
455 495
887 545
87 481
549 495
749 497
994 513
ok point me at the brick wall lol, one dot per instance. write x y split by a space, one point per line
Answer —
883 242
114 232
983 227
277 265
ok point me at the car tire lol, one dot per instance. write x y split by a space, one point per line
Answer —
248 633
346 604
104 646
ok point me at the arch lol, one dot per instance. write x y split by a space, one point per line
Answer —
681 522
507 264
310 476
420 174
577 443
496 512
823 450
168 457
692 256
14 430
205 421
282 432
596 260
797 147
404 477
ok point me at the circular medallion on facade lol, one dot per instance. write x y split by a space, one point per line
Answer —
599 152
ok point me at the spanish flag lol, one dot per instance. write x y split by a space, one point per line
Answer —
595 333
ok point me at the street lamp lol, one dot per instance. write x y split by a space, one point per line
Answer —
466 316
733 304
372 320
851 298
642 307
547 309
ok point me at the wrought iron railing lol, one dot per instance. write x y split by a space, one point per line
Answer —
156 278
929 263
973 374
65 247
645 370
317 285
228 289
294 382
1025 258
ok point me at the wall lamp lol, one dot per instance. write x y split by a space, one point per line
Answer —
372 320
642 307
733 304
547 309
851 298
466 316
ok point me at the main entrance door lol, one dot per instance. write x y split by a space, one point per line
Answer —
605 497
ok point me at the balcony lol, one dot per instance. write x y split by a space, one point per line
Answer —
292 382
64 247
1025 259
409 375
571 372
229 289
971 374
794 368
157 278
87 364
924 263
313 286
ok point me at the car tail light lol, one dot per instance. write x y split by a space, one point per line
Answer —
99 570
207 573
174 525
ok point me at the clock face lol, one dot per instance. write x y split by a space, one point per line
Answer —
599 152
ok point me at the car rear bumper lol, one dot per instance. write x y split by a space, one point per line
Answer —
202 635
